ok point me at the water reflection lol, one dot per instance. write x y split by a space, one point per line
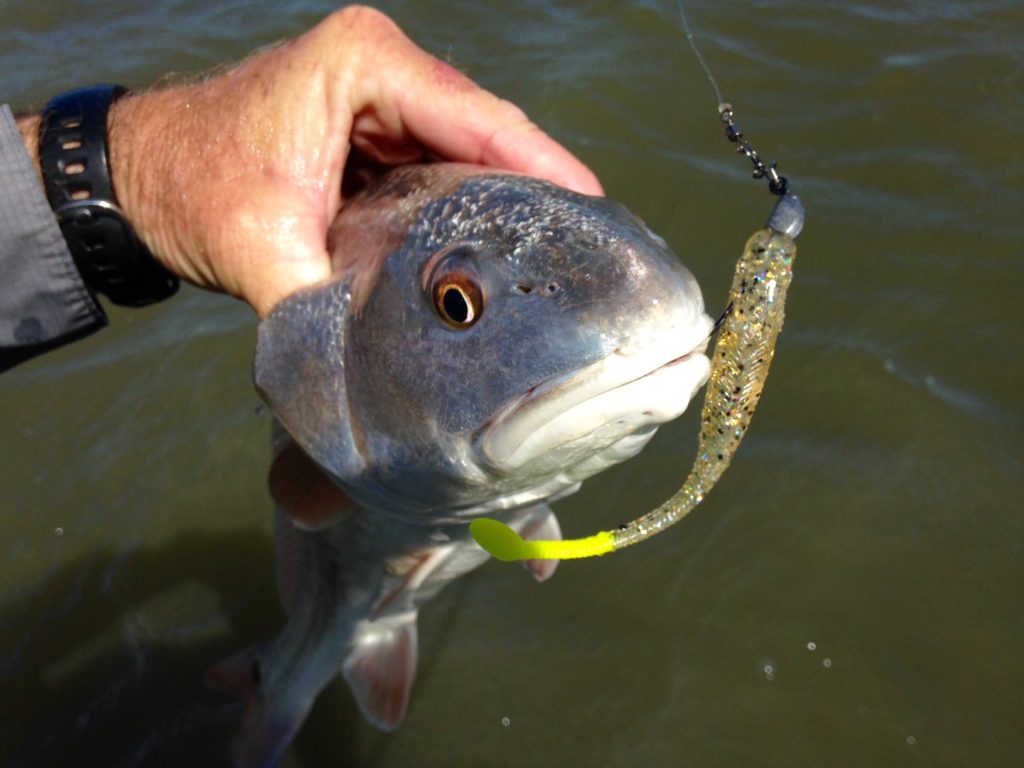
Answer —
870 511
94 672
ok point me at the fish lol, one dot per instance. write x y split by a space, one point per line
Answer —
486 343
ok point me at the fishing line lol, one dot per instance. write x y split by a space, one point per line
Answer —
777 184
697 53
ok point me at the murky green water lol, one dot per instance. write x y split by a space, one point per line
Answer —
850 595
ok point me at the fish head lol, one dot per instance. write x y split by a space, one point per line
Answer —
487 342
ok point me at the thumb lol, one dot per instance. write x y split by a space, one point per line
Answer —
273 279
272 254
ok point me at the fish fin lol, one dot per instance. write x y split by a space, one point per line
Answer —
381 668
269 726
404 577
407 574
542 526
304 491
235 674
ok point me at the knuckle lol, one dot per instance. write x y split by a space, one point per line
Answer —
514 115
363 19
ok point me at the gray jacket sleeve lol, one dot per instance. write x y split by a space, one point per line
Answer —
43 301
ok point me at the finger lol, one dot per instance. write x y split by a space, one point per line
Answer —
405 94
490 131
272 280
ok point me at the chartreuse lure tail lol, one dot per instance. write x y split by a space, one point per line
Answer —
742 356
504 544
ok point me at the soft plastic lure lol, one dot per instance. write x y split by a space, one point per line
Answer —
742 356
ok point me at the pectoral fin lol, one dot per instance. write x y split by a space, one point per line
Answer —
543 526
304 491
381 668
235 674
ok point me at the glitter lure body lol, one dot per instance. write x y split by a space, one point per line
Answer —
739 368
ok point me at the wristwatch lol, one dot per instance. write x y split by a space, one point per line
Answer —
73 158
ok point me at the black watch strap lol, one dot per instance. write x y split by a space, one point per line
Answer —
73 158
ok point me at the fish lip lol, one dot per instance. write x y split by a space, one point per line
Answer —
533 405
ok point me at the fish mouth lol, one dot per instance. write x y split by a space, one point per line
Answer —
571 417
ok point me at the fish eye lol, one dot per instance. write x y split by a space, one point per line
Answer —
456 294
456 306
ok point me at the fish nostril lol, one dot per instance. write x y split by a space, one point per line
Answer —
549 289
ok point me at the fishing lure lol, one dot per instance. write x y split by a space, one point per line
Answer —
748 332
742 357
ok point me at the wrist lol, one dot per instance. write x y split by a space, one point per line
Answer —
132 156
153 150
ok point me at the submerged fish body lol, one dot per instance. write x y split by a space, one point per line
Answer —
488 341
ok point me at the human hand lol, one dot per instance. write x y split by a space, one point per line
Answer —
233 181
